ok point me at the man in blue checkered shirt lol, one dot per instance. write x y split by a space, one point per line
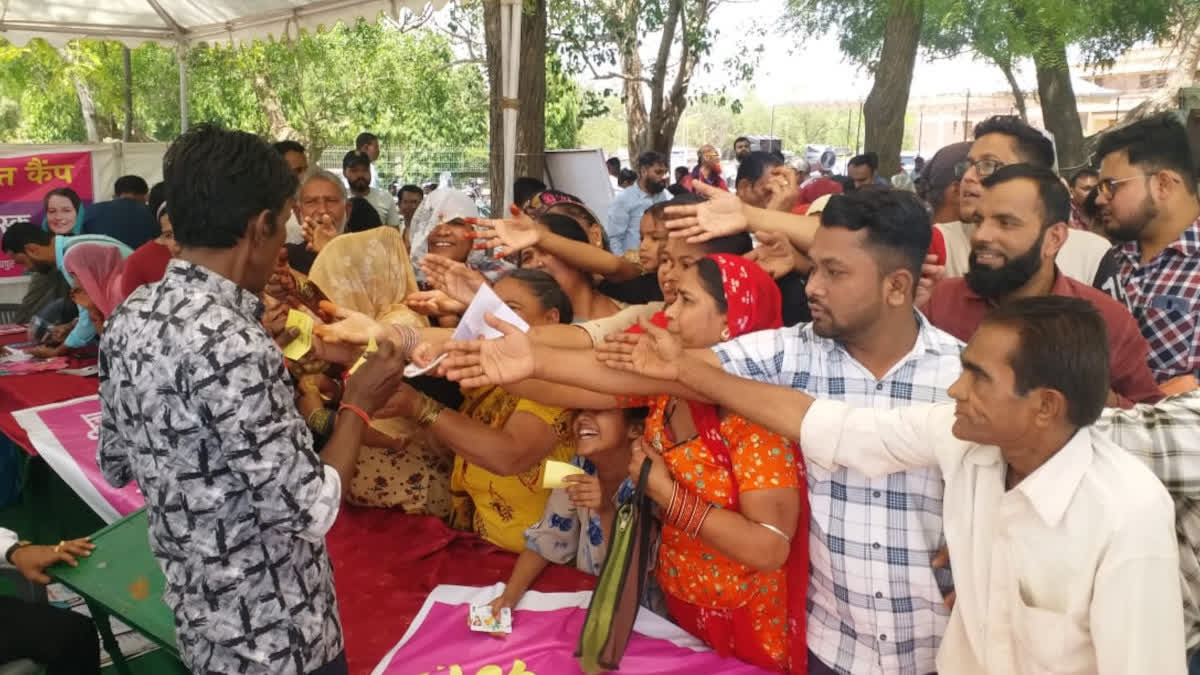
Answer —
875 602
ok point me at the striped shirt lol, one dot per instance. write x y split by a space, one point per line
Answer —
874 604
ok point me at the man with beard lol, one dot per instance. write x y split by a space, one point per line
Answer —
1005 139
1020 225
356 167
741 148
625 213
1147 197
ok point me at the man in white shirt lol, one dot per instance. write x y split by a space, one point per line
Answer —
356 167
63 641
1063 543
1005 139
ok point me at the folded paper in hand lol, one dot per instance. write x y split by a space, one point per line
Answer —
555 472
472 326
300 346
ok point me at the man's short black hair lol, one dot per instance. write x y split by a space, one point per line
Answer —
1056 201
613 163
1085 172
1032 146
1062 345
158 195
525 187
896 223
284 147
866 159
219 180
413 189
365 138
681 171
131 185
651 158
739 139
1154 144
755 164
362 216
355 158
627 175
20 235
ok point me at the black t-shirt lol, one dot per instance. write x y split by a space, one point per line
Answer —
636 291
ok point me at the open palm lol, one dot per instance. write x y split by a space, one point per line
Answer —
515 233
720 216
455 279
654 353
479 363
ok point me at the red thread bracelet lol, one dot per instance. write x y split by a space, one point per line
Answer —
357 411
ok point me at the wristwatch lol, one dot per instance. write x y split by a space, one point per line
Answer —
13 549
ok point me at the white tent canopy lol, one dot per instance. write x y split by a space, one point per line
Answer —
184 22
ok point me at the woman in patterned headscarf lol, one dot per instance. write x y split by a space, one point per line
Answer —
440 227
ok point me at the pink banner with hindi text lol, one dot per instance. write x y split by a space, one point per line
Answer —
25 180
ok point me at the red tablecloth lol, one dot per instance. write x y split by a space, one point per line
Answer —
18 392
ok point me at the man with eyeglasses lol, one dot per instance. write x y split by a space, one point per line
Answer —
1147 198
1005 139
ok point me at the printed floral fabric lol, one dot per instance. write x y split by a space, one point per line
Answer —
501 508
415 479
692 571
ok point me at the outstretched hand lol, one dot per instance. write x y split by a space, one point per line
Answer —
655 353
782 188
720 216
318 231
775 254
481 363
511 234
455 279
434 303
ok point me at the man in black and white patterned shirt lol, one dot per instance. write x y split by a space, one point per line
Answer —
198 409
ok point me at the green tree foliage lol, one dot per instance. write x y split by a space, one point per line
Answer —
321 88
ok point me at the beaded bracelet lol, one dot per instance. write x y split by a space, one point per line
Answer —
428 412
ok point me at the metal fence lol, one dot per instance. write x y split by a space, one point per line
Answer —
464 168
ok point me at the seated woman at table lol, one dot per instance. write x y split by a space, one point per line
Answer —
400 464
733 561
576 524
101 278
501 442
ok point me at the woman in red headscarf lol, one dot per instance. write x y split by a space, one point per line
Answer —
722 583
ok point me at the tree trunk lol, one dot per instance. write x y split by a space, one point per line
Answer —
637 120
531 94
277 123
1006 67
884 109
87 106
127 59
665 117
1060 112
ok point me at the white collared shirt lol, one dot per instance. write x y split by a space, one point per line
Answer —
1073 571
7 539
385 204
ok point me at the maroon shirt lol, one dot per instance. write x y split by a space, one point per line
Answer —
958 310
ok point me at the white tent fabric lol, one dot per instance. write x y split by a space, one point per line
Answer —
183 21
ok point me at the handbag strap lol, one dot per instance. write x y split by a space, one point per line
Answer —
644 477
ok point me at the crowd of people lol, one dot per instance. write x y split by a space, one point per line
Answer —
950 430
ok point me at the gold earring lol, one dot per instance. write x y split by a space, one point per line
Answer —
724 334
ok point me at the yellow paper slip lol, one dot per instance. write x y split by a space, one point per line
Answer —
372 346
555 472
303 342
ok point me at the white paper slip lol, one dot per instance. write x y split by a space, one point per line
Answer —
413 370
472 325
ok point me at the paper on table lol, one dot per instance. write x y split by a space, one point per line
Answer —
555 472
472 325
372 346
299 347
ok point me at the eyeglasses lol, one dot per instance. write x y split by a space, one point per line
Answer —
985 167
710 155
1108 187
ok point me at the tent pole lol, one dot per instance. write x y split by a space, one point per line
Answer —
181 59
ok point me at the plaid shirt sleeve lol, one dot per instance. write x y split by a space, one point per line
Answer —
1165 435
